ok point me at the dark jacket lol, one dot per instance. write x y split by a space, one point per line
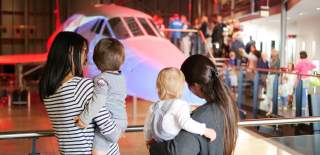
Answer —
203 29
235 46
186 143
263 65
217 33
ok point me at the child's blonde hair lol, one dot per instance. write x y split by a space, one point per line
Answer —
170 83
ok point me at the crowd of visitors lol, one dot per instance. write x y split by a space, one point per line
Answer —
219 37
223 39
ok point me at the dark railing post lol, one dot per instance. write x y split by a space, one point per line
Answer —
298 94
256 94
34 150
275 94
240 88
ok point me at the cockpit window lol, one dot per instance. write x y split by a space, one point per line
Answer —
97 26
133 26
106 31
93 28
118 28
155 26
146 26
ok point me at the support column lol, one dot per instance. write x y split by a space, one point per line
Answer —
256 93
275 94
26 26
199 8
1 27
283 37
299 93
240 99
190 11
215 7
232 8
134 107
315 107
252 6
19 76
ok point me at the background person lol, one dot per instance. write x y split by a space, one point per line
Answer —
217 37
175 24
304 66
185 43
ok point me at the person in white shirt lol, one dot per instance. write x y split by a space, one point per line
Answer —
171 114
284 91
292 80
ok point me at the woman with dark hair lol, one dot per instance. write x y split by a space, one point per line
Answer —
220 113
65 94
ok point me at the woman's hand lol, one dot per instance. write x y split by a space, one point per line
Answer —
210 133
149 142
79 123
194 107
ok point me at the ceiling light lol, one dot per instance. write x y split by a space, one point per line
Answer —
318 9
301 13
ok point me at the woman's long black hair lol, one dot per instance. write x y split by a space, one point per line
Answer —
64 53
200 70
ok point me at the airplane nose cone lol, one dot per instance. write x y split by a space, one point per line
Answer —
144 60
156 51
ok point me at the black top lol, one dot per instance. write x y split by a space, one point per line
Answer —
186 143
203 29
217 33
263 64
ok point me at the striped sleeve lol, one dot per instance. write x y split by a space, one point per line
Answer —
107 126
113 149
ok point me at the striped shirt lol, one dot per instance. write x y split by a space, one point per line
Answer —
69 101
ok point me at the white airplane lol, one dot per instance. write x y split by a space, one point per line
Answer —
147 52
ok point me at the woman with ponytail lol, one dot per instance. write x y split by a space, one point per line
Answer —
220 113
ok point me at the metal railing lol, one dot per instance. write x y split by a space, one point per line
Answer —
276 121
243 77
34 135
139 128
26 134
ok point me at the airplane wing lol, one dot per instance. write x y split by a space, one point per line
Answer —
23 58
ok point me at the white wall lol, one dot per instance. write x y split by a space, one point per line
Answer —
262 30
308 33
